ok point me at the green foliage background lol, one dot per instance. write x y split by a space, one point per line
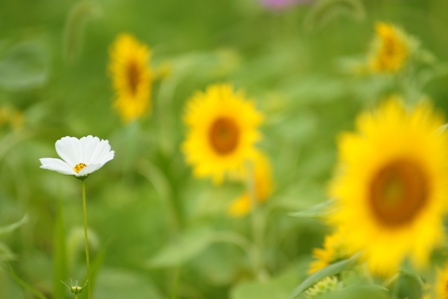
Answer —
157 232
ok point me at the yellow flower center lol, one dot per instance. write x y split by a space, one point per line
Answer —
133 76
398 193
78 167
224 135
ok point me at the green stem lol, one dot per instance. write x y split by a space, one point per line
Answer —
257 226
162 184
175 286
132 131
164 115
86 239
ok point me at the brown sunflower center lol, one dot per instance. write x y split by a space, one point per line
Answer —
224 135
390 46
78 167
133 76
398 193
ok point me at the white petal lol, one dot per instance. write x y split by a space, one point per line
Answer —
102 152
56 165
106 158
89 169
70 150
89 145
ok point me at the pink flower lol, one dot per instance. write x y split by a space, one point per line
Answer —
282 4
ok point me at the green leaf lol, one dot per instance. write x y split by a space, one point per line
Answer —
277 287
25 65
183 249
5 253
115 283
436 72
359 291
10 228
326 10
327 271
408 286
31 289
258 290
314 212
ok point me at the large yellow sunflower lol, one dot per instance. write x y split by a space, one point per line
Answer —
263 186
222 131
132 77
390 49
391 185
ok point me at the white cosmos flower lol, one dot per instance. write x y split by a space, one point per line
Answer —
80 157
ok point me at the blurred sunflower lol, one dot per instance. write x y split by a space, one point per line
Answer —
11 117
222 131
441 285
263 186
132 77
324 287
390 49
332 251
390 190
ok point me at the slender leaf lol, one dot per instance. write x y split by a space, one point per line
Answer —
314 212
79 15
183 249
328 271
10 228
60 253
325 10
5 253
26 285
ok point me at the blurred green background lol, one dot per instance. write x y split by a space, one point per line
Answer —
157 232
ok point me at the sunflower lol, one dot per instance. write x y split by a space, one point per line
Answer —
441 285
222 130
332 251
132 77
324 287
391 185
263 186
390 49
